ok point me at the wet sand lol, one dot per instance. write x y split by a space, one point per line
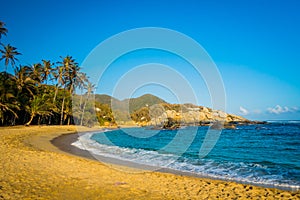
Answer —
31 167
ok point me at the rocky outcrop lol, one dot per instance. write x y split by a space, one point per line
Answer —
196 115
192 117
149 110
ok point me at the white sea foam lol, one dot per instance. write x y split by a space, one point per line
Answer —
239 172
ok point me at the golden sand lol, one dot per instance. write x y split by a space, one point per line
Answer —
32 168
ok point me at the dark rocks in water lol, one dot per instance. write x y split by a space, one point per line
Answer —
171 124
217 125
259 122
230 126
205 123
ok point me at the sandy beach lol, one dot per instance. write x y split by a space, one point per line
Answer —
33 168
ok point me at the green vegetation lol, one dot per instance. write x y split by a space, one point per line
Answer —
143 101
27 97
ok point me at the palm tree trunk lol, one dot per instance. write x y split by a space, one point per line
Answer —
82 115
81 98
62 111
39 120
30 120
69 119
83 110
54 98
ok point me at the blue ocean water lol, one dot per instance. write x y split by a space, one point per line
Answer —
265 154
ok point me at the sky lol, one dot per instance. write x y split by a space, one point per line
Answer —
254 44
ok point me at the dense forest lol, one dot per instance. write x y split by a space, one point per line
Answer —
44 92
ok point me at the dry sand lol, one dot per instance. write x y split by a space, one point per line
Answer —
32 168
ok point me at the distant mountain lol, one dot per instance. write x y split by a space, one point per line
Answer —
134 103
143 101
105 99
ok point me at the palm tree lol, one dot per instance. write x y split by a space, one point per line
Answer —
9 54
90 90
69 70
8 107
62 108
36 73
82 83
40 105
72 69
68 112
62 78
58 74
23 80
8 102
3 30
46 70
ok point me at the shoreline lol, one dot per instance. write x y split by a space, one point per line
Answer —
64 143
34 168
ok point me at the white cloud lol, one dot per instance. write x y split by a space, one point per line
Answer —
243 111
282 109
295 109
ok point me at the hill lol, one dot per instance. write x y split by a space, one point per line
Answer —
143 101
105 99
150 110
133 104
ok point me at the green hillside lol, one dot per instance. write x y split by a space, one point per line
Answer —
144 101
134 103
104 99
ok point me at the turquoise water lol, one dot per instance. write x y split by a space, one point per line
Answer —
266 154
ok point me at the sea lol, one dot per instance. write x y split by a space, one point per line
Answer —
260 154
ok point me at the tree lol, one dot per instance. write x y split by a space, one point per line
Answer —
23 81
8 102
3 30
59 77
90 89
72 73
9 54
36 74
82 84
40 105
65 79
68 112
46 70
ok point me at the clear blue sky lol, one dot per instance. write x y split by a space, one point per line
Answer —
255 44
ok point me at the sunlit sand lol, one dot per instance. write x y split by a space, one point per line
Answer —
31 167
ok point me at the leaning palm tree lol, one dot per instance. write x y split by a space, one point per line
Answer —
40 105
9 54
3 30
